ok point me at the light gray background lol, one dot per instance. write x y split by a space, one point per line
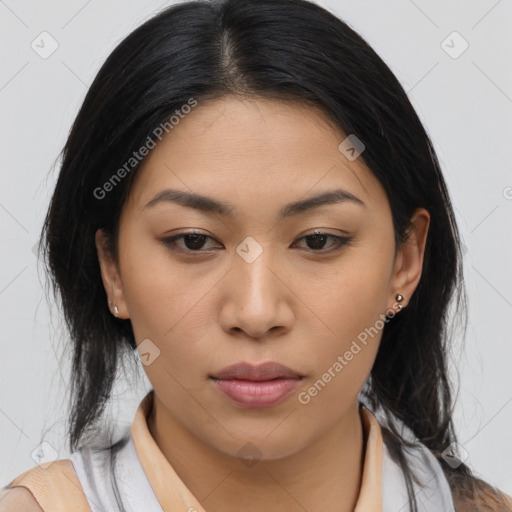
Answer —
464 102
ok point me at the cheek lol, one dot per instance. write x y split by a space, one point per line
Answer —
168 305
349 305
342 361
153 287
351 296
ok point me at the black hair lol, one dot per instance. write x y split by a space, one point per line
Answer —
275 49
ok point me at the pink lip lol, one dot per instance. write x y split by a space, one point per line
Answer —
263 371
249 393
257 386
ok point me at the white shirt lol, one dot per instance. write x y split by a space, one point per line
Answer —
135 493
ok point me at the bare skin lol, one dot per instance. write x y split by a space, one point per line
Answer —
299 302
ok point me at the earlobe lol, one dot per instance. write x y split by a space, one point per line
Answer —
110 276
409 260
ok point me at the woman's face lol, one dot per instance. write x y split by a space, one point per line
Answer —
257 285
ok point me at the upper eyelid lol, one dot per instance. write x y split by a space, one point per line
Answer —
338 238
318 232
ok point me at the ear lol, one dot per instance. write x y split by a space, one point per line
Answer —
110 276
409 258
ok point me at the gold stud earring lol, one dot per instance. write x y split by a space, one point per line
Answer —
399 298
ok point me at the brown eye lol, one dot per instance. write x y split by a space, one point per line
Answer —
192 242
316 242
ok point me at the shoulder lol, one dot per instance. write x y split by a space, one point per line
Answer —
429 484
456 491
18 499
435 487
471 494
49 486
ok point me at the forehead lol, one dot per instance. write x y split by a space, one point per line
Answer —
257 149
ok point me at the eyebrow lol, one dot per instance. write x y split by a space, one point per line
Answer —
208 204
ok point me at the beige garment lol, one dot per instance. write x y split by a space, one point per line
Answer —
57 487
172 493
54 487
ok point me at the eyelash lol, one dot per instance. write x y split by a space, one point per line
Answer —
341 241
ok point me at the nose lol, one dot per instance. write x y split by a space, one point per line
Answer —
258 301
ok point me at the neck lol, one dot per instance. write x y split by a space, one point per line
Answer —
325 476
